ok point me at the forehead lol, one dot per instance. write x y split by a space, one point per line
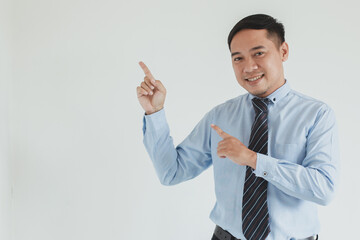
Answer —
248 38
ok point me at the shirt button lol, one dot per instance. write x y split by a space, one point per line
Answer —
274 99
265 174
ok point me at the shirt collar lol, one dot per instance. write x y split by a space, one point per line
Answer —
280 93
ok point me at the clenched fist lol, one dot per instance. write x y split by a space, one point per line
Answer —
151 92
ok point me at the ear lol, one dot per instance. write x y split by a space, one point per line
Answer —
284 51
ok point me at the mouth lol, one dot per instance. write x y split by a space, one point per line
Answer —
253 79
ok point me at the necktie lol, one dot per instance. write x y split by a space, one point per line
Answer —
255 210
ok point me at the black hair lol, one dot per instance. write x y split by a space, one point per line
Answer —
260 21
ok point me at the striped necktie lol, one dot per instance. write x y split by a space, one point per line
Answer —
255 213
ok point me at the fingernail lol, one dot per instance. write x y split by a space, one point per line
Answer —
152 87
151 93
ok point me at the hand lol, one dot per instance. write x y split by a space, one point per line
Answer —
234 149
151 93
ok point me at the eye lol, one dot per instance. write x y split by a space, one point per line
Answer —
237 59
259 53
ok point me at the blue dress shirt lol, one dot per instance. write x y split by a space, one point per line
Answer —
301 166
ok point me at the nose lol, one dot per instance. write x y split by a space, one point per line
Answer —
250 65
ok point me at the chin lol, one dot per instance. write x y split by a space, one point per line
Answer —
260 94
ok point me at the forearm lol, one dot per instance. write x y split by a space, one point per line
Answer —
160 147
316 184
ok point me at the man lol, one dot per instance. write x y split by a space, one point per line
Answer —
274 151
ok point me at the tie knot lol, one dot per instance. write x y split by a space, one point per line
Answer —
260 104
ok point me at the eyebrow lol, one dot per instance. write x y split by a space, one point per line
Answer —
253 49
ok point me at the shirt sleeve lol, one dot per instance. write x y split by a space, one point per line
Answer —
187 160
315 179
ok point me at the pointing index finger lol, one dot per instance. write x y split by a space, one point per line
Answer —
147 71
219 131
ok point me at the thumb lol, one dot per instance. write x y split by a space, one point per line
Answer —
220 131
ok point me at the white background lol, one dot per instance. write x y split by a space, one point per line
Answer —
73 165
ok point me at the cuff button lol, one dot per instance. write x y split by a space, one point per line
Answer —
265 174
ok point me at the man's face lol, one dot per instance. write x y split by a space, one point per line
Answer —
257 61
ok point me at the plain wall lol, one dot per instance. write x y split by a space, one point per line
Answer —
5 88
78 166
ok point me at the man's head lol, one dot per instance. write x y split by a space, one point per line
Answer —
258 48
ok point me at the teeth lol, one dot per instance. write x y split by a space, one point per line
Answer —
254 79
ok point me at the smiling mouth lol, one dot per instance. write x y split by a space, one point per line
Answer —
254 78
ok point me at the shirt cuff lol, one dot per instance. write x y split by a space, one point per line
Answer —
154 122
265 167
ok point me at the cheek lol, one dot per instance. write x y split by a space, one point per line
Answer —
272 65
276 68
237 70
